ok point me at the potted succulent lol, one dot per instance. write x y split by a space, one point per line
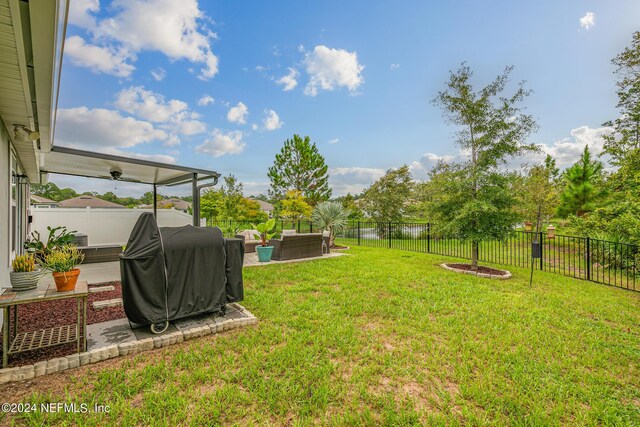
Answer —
24 275
62 263
264 229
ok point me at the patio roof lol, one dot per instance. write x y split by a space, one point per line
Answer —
70 161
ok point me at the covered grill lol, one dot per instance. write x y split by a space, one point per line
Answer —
170 273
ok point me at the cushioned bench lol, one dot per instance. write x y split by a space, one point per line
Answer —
100 253
294 246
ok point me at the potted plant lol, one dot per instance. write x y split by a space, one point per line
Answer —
264 229
62 263
24 275
57 238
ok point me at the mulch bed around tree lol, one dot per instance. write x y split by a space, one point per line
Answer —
339 247
41 315
481 269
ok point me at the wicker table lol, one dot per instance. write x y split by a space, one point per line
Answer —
42 338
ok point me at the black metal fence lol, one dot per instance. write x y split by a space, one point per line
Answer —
610 263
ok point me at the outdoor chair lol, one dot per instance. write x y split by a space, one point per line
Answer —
250 242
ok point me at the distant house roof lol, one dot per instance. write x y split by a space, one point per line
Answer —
85 201
264 205
39 200
178 204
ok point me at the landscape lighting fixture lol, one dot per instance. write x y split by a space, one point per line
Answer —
23 132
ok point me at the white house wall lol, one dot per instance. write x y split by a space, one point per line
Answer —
102 226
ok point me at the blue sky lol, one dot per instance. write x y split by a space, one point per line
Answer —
220 85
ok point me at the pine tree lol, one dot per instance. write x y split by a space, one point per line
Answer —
582 186
300 167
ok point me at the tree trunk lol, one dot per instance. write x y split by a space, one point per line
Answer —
474 255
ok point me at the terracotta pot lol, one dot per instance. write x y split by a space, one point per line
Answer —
66 280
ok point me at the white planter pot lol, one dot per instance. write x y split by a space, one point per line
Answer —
25 281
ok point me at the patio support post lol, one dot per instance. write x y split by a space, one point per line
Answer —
195 200
155 202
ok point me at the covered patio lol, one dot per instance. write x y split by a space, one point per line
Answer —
88 164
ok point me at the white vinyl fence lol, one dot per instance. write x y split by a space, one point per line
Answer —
102 226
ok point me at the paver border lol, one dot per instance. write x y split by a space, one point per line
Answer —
475 273
96 355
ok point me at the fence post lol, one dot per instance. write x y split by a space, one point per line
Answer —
541 251
310 226
428 237
389 234
588 258
358 233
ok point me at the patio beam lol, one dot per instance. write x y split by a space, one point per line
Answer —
195 200
155 202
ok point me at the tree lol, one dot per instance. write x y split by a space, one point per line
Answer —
625 140
387 198
110 196
478 205
53 192
211 204
537 192
294 206
582 191
300 167
349 203
249 210
231 197
331 217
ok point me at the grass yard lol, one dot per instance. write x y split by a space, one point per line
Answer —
380 337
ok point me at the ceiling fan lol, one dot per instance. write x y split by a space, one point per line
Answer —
115 174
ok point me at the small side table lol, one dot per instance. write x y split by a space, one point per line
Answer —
33 340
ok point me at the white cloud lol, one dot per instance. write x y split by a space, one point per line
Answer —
80 13
272 120
566 151
174 28
102 130
329 69
238 114
148 105
174 115
261 68
419 169
222 143
206 100
394 67
159 74
588 20
289 82
352 180
98 59
334 141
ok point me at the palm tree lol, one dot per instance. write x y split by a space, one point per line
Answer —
331 217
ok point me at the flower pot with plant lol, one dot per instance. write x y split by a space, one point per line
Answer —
62 263
264 230
24 275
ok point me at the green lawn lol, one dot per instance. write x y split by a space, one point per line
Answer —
383 337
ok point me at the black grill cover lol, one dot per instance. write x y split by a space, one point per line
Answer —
173 272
